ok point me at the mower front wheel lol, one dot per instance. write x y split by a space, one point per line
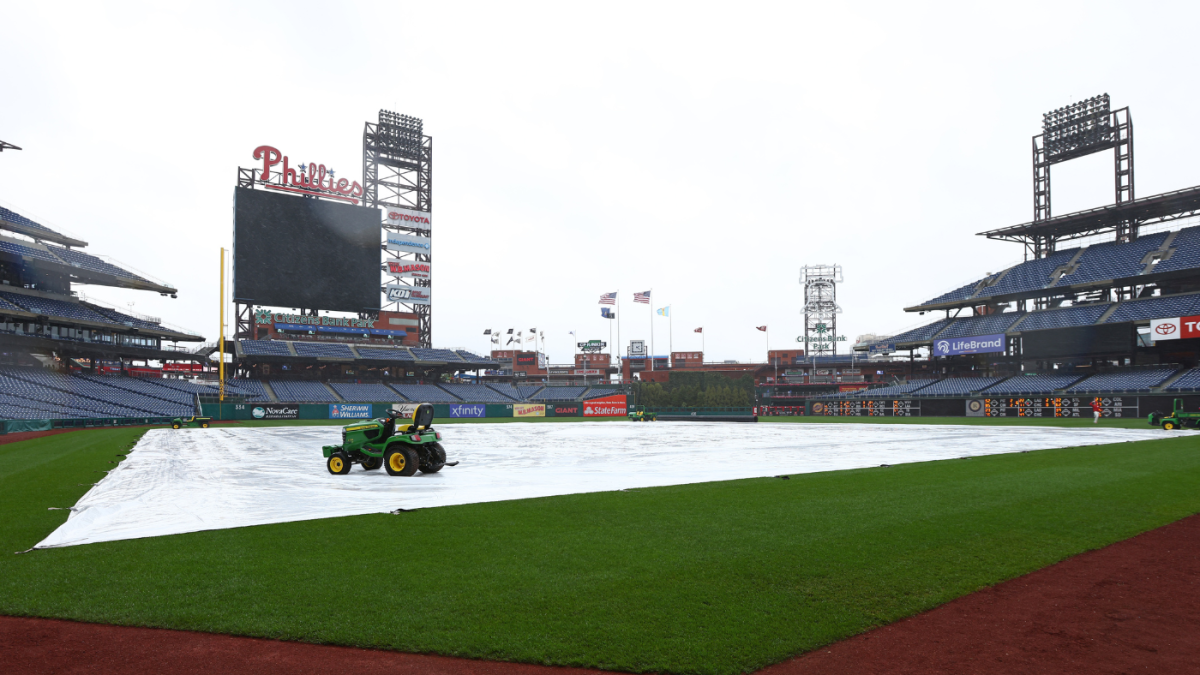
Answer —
371 463
401 461
174 426
435 459
338 464
1168 425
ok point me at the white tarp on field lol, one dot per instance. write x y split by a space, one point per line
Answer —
208 479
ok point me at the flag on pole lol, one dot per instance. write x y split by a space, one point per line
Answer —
643 298
665 311
533 330
607 313
531 338
699 330
608 299
762 328
488 331
510 331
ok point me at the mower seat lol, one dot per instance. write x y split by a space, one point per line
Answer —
422 416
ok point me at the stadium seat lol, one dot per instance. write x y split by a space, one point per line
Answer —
558 394
1185 252
265 348
317 349
366 393
1063 317
476 393
1111 260
302 391
55 308
447 355
1188 382
990 324
508 391
895 390
1134 380
1160 307
425 393
957 386
1032 384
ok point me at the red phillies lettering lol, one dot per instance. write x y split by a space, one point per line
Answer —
269 156
311 180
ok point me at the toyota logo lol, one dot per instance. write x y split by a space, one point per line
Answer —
1164 328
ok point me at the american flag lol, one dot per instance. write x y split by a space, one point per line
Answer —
608 299
643 298
699 330
762 328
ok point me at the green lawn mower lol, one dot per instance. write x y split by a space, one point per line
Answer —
399 445
639 414
192 422
1176 419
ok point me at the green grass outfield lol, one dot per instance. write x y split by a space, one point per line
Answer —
708 578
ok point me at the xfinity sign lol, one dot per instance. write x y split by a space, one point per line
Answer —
978 344
476 410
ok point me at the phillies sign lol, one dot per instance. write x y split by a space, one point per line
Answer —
1177 328
408 268
400 217
309 181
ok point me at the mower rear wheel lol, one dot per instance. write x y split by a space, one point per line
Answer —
174 426
204 425
401 461
1168 425
435 459
372 463
338 464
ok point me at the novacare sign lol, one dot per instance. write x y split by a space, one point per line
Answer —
979 344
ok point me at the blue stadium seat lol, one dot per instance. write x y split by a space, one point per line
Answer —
990 324
1032 384
425 393
265 348
508 391
1186 253
1136 380
330 349
301 391
895 390
1189 381
956 386
55 308
1063 317
476 393
87 261
17 219
366 393
384 354
447 355
920 334
1111 260
558 394
1161 307
1030 275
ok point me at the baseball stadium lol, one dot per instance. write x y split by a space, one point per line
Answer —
320 484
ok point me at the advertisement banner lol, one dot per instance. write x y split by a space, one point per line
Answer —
977 344
1177 328
527 359
609 406
529 410
591 346
468 410
881 349
402 243
404 410
586 371
348 411
275 412
412 295
408 269
566 410
401 217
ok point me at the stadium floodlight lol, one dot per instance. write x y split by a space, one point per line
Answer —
399 135
1078 129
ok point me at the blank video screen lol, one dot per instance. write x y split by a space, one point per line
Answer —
294 252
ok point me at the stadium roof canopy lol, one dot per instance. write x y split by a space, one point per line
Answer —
1166 206
15 222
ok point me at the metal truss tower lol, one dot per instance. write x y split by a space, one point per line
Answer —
398 171
820 308
1075 131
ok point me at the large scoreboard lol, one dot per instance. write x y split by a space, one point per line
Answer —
1046 406
880 408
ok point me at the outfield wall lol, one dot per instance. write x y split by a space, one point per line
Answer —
349 411
1113 406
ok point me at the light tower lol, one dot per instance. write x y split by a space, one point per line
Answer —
820 308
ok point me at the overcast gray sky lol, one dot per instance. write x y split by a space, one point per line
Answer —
705 150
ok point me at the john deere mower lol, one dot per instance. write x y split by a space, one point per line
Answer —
639 414
1176 419
190 422
400 445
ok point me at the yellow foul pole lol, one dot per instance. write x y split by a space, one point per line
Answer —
221 339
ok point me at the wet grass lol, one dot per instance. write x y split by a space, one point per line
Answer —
706 578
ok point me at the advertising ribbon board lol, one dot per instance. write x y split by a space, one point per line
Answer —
587 371
881 349
412 295
978 344
275 412
408 244
410 269
475 410
400 217
347 411
609 406
529 410
1177 328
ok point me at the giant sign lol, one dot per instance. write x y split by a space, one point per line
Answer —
412 295
609 406
402 243
411 269
396 216
978 344
1177 328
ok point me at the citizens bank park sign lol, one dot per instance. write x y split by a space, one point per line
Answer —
412 269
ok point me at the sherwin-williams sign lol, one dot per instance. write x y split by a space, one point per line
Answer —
529 410
979 344
349 411
467 410
609 406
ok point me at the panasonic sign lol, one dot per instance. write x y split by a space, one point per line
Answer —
978 344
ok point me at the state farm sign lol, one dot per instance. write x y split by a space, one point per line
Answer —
412 269
396 216
1177 328
609 406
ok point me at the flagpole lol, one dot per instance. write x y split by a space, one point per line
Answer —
620 375
670 332
651 303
